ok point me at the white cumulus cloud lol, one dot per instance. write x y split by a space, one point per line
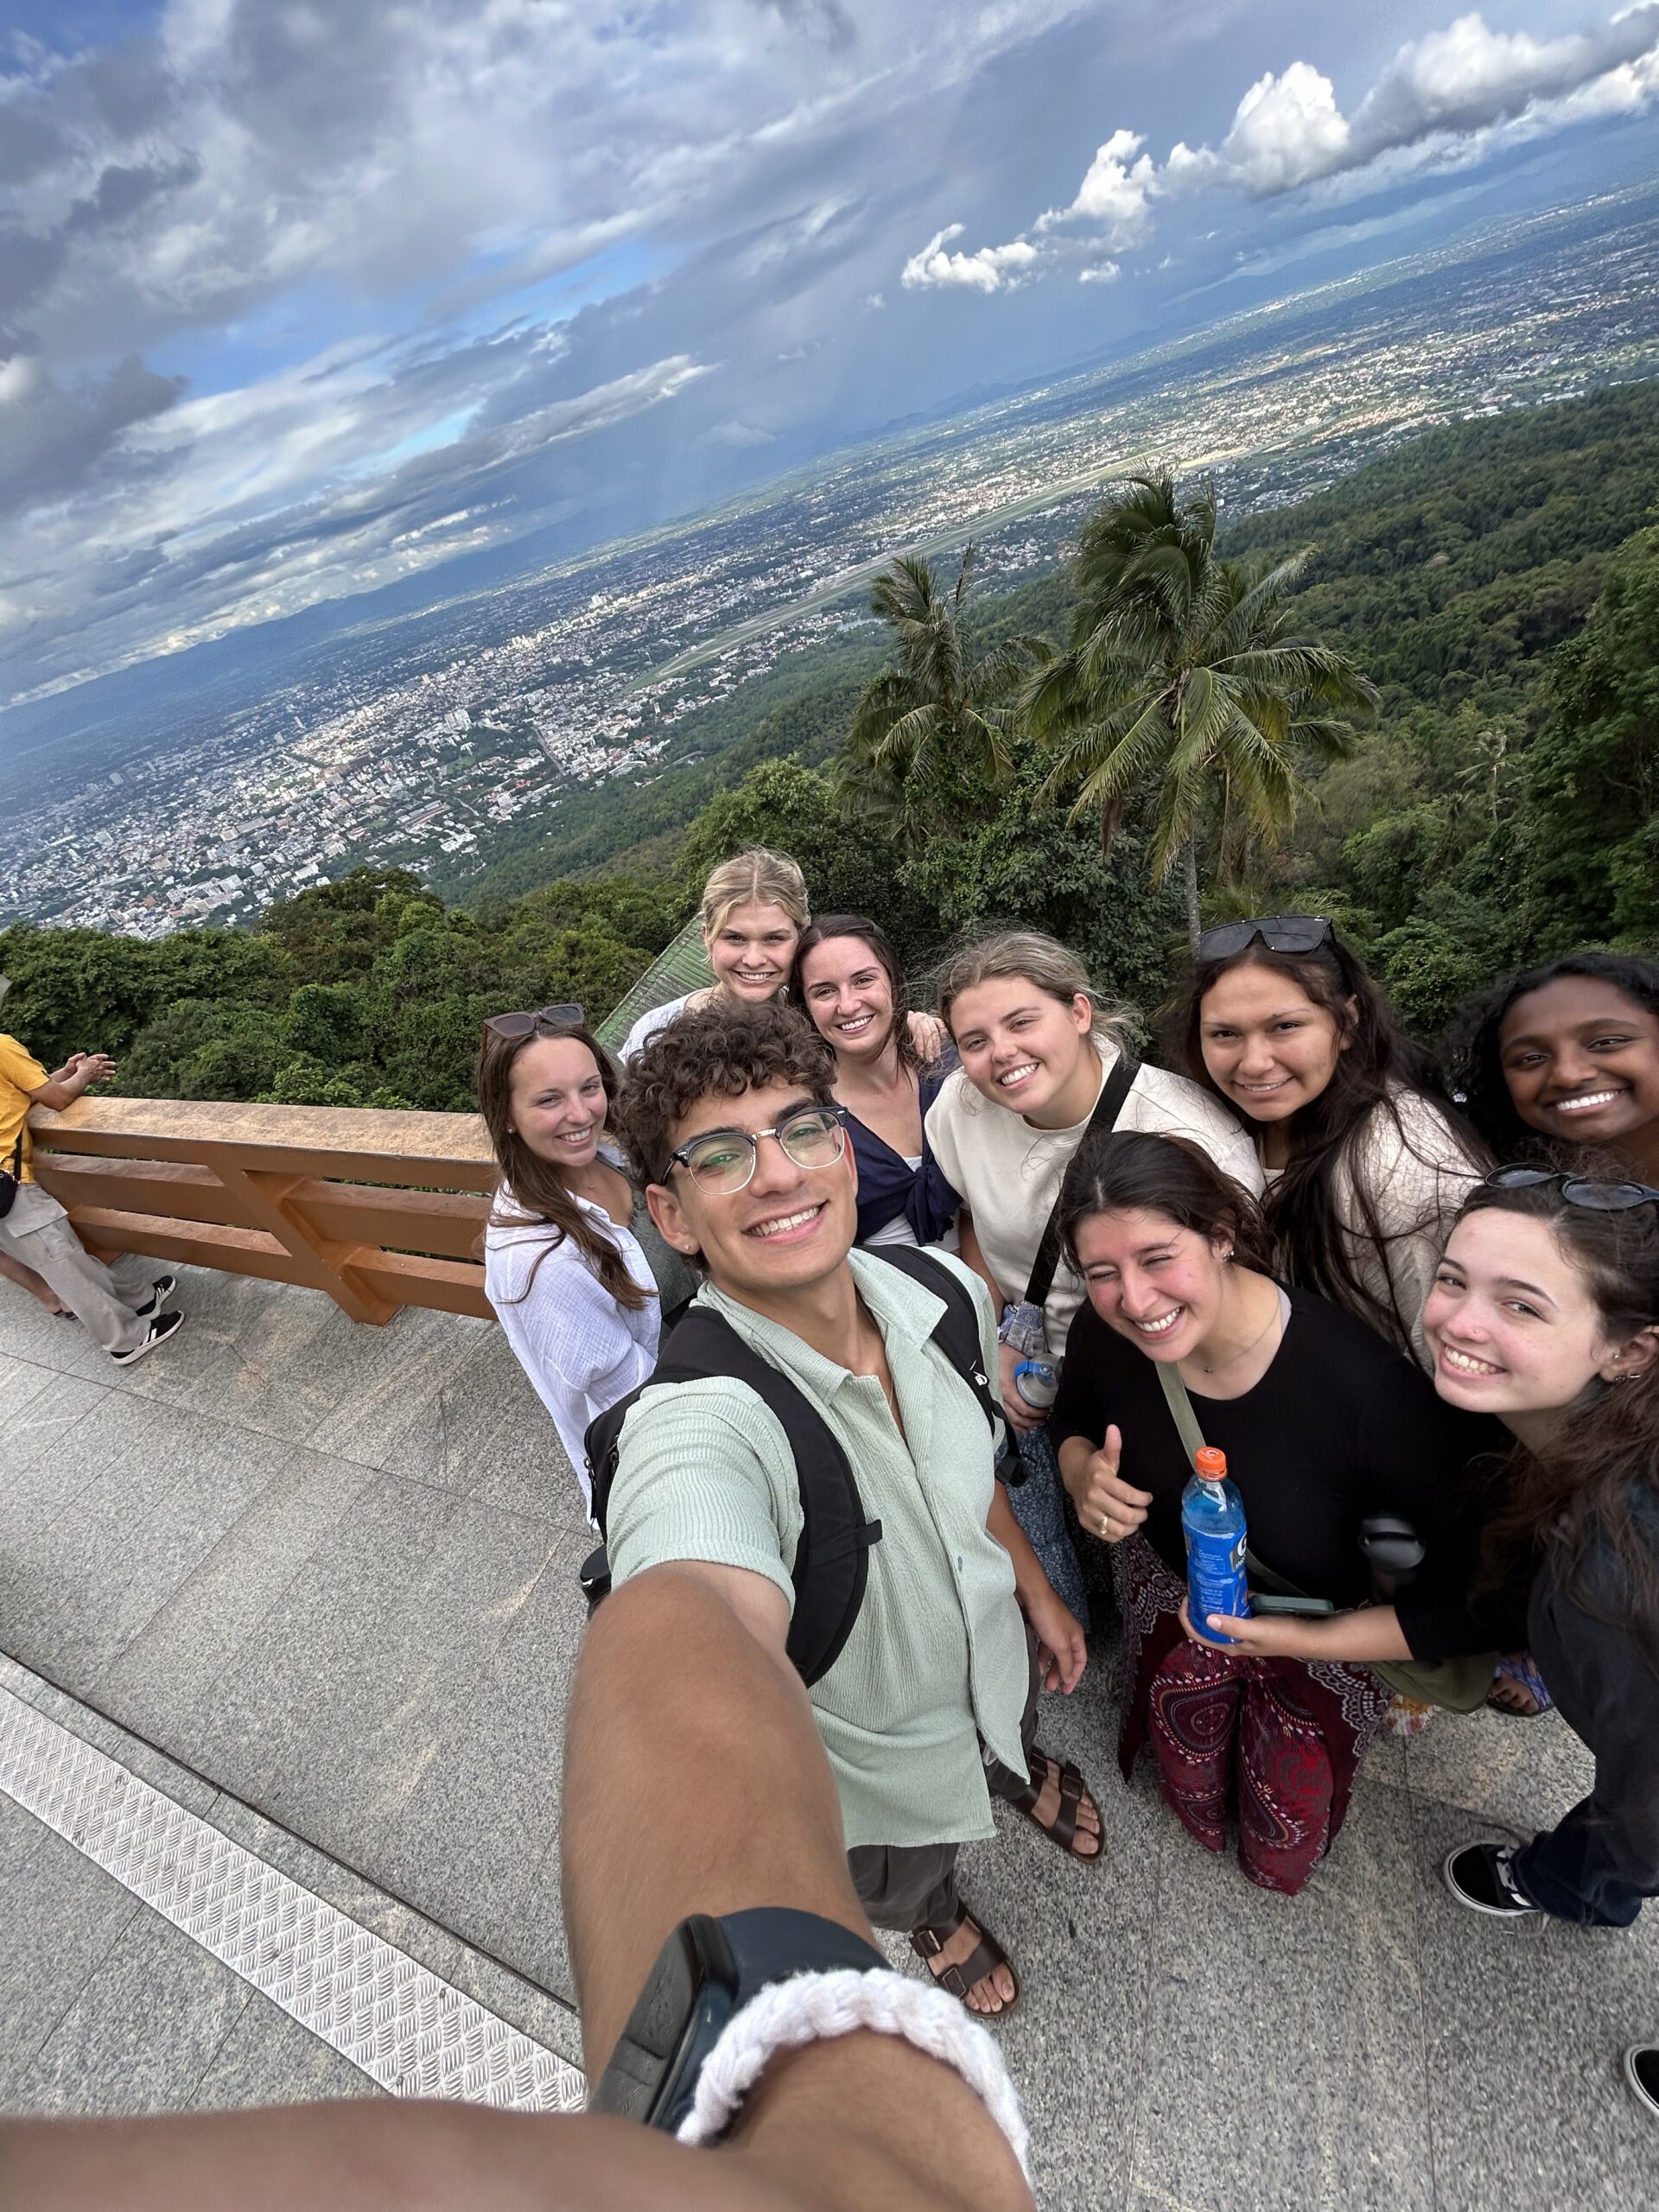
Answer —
1447 100
1442 94
1288 130
991 269
1114 195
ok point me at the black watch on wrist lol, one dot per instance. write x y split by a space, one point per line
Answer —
708 1970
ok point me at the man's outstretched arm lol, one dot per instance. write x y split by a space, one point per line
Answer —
694 1782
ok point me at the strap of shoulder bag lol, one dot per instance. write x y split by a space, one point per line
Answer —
1113 1092
1180 1407
1178 1399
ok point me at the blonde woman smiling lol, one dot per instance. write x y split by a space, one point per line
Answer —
752 910
1043 1066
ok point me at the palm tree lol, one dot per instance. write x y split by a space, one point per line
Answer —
1184 680
932 718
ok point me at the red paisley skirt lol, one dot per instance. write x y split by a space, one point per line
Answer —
1273 1743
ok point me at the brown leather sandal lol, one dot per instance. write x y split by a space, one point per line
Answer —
1063 1830
986 1955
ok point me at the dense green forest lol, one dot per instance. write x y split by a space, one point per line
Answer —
1498 583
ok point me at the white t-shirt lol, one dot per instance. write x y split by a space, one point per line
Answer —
1009 1172
581 1350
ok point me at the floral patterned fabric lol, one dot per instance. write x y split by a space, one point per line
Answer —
1274 1744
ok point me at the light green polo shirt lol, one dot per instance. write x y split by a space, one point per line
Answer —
937 1657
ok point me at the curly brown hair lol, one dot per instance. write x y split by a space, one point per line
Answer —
719 1050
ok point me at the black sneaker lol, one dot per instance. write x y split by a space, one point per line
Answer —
1478 1875
160 1291
163 1326
1642 2072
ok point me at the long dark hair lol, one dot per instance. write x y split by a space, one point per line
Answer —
1587 1494
1472 1050
868 932
536 1186
1328 1134
1122 1171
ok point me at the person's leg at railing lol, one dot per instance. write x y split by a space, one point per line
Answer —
698 1787
37 1286
117 1304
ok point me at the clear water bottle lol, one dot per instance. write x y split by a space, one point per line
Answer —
1212 1521
1037 1382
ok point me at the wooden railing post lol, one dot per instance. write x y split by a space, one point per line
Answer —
263 1198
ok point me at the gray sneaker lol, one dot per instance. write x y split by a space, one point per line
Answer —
163 1326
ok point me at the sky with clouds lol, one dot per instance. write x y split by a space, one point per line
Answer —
299 298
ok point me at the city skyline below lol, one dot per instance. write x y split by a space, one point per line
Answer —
528 716
300 309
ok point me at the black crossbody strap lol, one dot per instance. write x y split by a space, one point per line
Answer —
832 1556
1107 1106
956 1331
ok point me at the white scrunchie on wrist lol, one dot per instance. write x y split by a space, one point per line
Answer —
815 2007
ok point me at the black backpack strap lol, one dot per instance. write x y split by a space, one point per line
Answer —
956 1331
832 1556
1109 1104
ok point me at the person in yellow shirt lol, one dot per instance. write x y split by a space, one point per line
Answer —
124 1307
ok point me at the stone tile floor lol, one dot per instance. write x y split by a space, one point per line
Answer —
328 1574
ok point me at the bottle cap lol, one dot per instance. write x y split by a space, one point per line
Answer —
1209 1462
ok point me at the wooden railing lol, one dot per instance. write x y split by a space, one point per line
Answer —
380 1209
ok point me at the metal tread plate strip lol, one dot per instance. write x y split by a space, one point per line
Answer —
406 2028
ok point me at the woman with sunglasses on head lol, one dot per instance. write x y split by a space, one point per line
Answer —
1366 1159
1545 1315
1566 1056
1042 1063
1186 1339
580 1280
849 982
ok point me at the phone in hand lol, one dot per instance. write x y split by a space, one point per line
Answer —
1263 1602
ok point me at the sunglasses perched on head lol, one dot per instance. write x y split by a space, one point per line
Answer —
508 1025
1279 933
1577 1190
723 1160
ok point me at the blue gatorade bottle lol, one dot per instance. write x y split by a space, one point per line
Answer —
1212 1521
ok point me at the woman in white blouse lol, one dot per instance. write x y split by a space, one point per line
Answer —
578 1275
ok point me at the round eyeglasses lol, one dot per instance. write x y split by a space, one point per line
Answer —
1577 1190
723 1160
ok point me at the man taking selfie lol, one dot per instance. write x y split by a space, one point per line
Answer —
927 1705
